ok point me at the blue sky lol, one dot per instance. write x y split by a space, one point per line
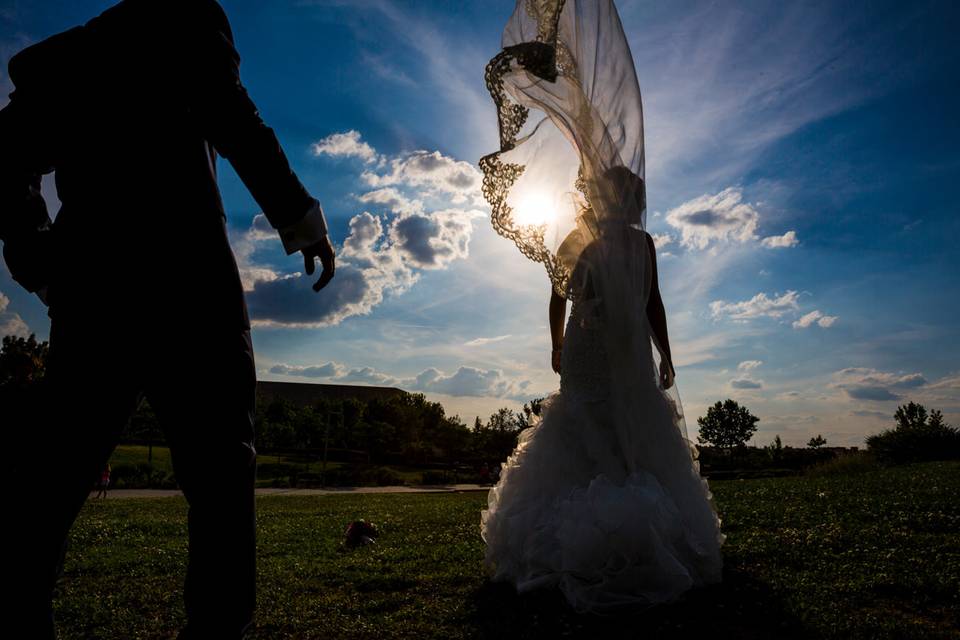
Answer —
821 290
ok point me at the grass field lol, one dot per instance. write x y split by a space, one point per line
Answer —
874 554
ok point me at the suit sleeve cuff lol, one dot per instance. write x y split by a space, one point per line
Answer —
311 229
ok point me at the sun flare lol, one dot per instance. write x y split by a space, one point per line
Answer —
534 208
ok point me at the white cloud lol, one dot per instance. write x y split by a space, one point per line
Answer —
470 381
661 239
758 306
479 342
789 239
432 241
714 218
11 324
365 231
862 383
430 171
382 255
392 200
747 365
464 382
814 316
328 370
368 269
827 321
345 145
746 383
367 375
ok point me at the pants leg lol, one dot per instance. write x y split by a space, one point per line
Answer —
65 436
207 417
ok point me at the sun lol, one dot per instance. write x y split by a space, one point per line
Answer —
534 208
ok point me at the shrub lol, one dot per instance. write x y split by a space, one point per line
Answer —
277 470
844 464
439 477
381 477
349 476
916 438
816 443
142 475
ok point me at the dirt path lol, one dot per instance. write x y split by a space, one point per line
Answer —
332 491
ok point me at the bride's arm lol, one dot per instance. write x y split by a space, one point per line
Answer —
558 311
658 316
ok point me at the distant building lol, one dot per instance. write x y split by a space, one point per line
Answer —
306 394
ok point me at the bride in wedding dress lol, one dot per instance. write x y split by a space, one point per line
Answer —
602 498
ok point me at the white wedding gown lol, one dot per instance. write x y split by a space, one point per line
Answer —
575 509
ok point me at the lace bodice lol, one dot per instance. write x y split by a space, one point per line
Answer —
585 372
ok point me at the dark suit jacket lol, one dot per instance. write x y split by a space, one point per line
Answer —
130 110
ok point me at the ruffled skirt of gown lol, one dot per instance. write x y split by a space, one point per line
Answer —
611 520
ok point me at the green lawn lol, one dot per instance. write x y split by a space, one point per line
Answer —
868 555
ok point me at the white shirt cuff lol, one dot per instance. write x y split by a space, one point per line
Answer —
311 229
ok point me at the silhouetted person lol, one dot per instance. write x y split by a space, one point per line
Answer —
104 484
144 294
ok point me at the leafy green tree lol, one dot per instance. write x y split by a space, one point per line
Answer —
727 425
816 443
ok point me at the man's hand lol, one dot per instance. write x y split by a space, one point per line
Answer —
324 251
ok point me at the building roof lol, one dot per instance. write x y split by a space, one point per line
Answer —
304 394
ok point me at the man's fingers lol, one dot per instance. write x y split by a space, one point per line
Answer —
324 280
328 260
308 263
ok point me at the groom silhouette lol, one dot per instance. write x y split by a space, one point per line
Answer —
144 293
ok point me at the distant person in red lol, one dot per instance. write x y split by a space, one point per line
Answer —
104 483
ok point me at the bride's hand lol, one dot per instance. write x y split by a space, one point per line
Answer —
555 359
666 374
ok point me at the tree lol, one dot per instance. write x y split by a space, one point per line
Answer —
917 437
22 367
816 443
22 361
144 426
935 421
911 416
530 413
775 448
727 425
503 420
